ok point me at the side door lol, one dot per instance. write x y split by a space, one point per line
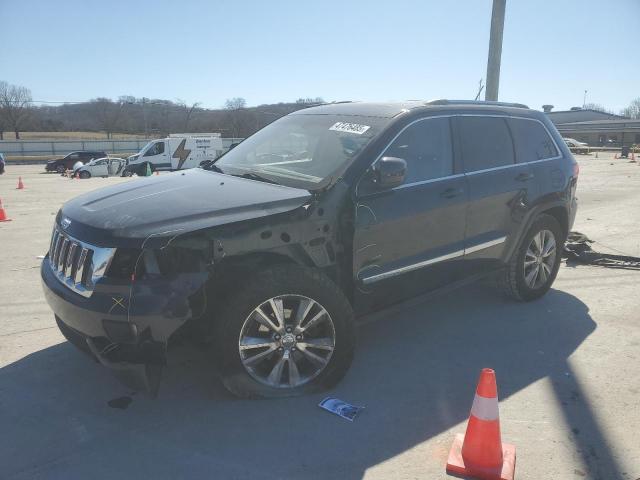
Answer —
158 156
536 147
100 168
410 238
185 153
498 188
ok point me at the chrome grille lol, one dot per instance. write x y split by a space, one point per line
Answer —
76 264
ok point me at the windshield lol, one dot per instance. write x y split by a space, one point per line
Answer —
301 150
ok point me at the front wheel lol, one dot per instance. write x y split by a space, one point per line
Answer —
84 174
534 266
61 169
289 331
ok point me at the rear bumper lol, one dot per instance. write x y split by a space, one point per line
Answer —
124 326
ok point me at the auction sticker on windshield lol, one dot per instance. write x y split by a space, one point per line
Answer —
349 127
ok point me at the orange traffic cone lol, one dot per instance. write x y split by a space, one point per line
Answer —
20 184
3 214
615 157
480 452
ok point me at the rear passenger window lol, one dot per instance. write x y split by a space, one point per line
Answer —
426 147
532 141
486 143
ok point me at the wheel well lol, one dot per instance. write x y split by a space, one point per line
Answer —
560 214
228 273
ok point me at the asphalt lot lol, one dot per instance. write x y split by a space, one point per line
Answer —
567 367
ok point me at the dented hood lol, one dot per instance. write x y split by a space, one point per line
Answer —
171 204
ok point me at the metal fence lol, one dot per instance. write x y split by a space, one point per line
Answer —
22 148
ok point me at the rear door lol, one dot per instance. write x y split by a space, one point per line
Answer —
535 146
410 238
498 187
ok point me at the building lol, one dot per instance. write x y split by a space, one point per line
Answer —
598 129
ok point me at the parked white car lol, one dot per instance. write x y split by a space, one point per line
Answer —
101 167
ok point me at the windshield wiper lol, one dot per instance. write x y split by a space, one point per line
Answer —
213 167
255 176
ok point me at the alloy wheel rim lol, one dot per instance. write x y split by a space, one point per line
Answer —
286 341
539 259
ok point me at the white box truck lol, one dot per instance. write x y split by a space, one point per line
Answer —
177 151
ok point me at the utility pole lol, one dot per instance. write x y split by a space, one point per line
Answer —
584 100
495 50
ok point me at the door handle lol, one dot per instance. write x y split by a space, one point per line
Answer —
524 176
451 192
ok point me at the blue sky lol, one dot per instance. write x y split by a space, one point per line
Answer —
271 51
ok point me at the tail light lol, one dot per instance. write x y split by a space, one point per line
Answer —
576 169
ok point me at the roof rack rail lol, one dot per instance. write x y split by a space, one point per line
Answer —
444 101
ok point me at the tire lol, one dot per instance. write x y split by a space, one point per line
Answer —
84 174
127 173
298 375
61 169
515 280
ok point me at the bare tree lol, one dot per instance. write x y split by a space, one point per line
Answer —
237 116
15 106
3 121
597 107
633 110
107 112
187 112
235 103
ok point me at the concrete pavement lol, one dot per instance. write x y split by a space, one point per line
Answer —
567 368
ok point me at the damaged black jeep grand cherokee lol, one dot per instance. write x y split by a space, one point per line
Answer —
268 251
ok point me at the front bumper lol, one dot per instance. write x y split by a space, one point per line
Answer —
124 325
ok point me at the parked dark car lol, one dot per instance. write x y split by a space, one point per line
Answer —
61 165
2 163
269 251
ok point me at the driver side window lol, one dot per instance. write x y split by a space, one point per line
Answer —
426 147
156 149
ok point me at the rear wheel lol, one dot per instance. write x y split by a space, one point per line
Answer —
534 266
61 169
289 331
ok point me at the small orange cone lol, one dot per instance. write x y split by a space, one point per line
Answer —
3 214
480 452
20 184
615 157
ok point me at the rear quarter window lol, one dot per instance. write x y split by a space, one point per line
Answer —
532 140
485 143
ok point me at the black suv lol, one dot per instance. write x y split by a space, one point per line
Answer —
61 165
269 251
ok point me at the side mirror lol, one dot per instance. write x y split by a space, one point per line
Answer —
389 172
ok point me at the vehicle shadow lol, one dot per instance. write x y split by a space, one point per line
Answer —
415 372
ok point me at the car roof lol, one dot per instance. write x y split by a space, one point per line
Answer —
393 109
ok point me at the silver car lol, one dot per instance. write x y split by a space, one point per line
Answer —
100 167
